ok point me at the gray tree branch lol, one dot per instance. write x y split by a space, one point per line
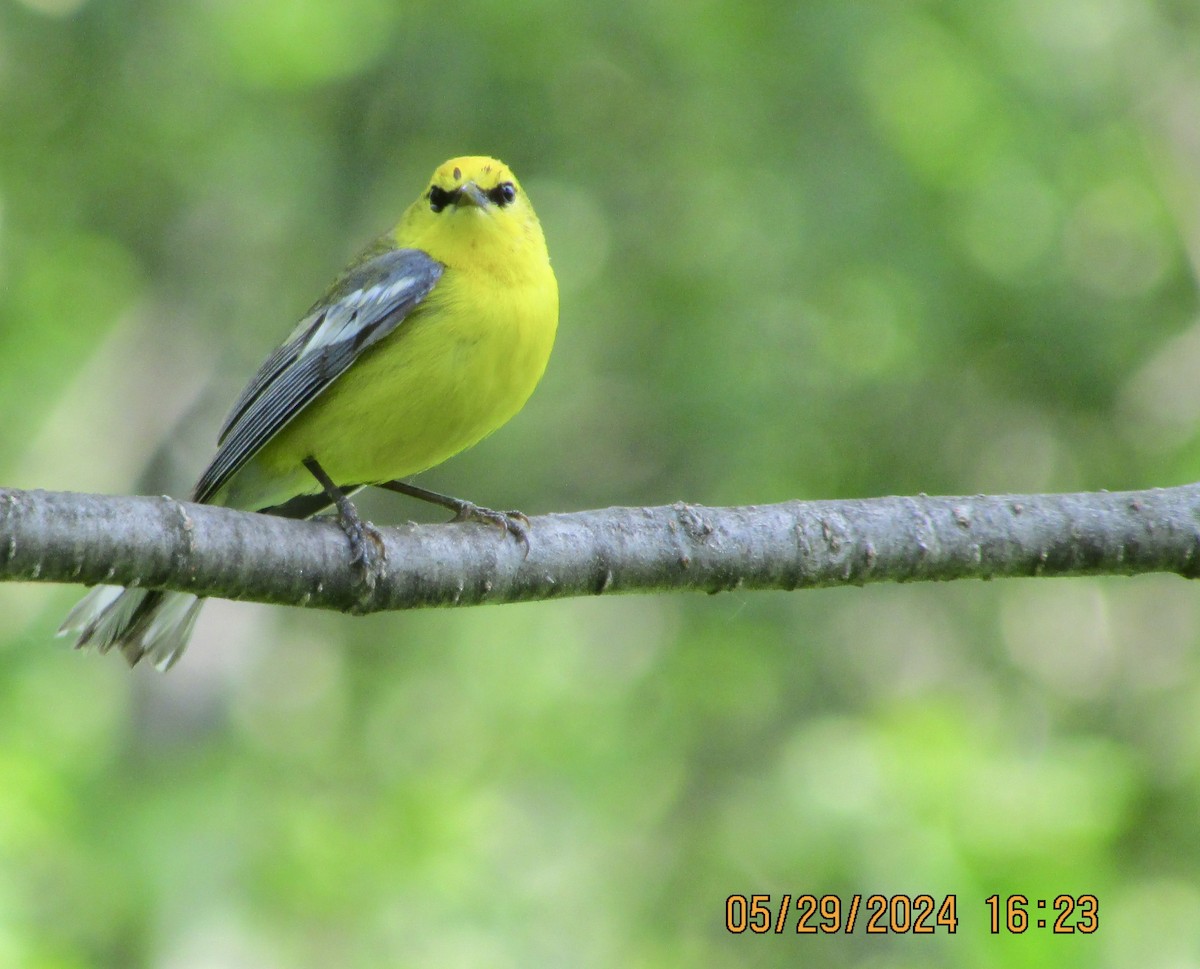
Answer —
167 544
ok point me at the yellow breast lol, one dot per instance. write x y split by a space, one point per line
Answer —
461 366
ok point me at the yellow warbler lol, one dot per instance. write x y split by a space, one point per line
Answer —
428 341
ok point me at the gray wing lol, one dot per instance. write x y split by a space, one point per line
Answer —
364 305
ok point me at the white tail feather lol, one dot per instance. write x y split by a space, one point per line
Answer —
140 622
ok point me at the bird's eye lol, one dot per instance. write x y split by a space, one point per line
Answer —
439 198
502 194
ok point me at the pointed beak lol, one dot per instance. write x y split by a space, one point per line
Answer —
470 194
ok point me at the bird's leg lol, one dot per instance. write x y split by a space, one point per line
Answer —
513 522
368 557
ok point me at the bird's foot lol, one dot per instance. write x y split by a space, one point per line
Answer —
368 555
515 523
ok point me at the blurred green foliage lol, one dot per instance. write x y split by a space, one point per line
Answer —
806 250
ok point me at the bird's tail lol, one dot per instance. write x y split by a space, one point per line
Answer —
141 622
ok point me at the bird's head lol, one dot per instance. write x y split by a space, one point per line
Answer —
473 209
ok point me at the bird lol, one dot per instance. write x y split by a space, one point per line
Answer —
433 337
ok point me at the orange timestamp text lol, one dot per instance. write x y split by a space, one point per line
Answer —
829 914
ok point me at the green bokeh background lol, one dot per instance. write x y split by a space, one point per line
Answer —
805 250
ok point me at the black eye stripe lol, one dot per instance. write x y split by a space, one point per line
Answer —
439 198
502 194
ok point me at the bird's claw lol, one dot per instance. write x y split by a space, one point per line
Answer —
515 523
368 554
